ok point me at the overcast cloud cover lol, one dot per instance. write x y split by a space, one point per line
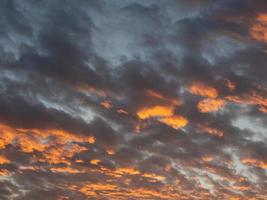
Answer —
133 99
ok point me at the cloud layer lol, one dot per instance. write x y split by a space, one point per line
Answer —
109 99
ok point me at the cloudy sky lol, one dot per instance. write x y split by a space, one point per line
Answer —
133 99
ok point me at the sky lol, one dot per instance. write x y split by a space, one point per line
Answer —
133 99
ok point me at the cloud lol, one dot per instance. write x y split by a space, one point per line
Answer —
133 99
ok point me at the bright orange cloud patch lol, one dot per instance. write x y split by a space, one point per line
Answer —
155 111
110 152
210 105
61 154
164 114
175 122
106 104
163 111
95 162
6 136
203 90
57 146
3 160
29 144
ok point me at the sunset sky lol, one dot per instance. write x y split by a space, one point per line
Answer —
133 99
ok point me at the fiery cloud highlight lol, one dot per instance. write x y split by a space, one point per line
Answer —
175 122
203 90
155 111
210 105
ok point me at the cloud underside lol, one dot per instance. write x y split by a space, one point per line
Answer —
133 99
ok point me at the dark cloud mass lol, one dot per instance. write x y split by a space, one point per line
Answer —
133 99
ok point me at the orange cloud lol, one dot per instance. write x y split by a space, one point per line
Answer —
155 111
3 160
7 136
127 170
95 162
258 30
113 191
211 131
60 154
154 176
28 144
164 114
207 158
92 189
203 90
110 152
254 162
106 104
175 122
91 140
4 172
60 136
210 105
263 109
254 98
241 188
57 146
121 172
123 189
